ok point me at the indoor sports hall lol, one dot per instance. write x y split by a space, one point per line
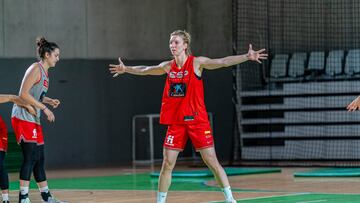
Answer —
286 130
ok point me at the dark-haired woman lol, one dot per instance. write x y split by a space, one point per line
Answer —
27 127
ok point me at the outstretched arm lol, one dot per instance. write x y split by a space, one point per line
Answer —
18 101
212 64
160 69
6 98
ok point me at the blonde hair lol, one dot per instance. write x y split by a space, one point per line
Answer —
185 36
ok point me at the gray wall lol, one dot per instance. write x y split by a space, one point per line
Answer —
93 123
133 29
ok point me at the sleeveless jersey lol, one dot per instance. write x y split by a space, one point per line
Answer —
183 96
38 91
3 136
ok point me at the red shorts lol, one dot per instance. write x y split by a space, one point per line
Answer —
200 136
3 136
27 131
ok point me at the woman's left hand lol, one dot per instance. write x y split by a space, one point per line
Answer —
54 103
256 55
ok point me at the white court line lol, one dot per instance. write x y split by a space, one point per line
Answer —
320 200
287 195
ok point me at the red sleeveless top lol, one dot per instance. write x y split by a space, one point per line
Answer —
3 129
183 96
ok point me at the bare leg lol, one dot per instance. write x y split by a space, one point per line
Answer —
24 190
24 183
42 184
168 165
209 157
170 157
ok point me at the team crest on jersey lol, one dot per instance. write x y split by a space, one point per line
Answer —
180 74
177 90
46 83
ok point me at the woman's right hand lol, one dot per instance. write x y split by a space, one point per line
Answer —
117 69
49 114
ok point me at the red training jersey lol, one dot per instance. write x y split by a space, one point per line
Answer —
183 96
3 129
3 136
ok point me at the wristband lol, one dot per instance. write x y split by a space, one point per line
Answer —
44 108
